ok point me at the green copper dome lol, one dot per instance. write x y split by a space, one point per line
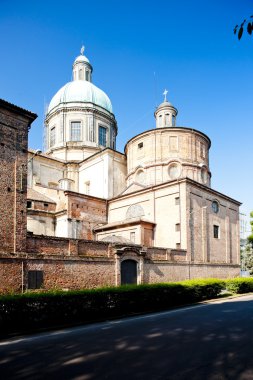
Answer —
80 91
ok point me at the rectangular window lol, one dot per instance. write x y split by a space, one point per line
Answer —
29 204
177 200
61 129
177 227
102 136
75 131
216 231
132 237
35 279
140 145
52 136
178 246
90 129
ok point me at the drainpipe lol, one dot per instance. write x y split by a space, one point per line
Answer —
22 276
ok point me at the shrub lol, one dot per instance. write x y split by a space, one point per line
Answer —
57 308
240 285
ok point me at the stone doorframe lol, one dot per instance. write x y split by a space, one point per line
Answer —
129 253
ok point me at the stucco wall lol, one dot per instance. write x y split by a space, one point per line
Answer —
154 152
202 245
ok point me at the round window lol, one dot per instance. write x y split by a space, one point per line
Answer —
174 171
140 177
215 206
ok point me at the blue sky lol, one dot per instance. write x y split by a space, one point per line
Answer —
189 45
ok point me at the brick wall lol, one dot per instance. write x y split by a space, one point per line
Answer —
155 272
49 245
166 254
10 275
89 211
14 123
72 274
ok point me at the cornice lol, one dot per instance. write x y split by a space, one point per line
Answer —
168 130
186 180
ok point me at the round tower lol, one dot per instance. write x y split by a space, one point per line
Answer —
168 152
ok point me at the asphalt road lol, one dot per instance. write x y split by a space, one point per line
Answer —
207 341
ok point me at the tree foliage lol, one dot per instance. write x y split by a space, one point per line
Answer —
247 254
246 24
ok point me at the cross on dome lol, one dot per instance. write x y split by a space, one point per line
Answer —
165 95
82 50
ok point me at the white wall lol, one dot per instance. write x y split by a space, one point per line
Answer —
40 225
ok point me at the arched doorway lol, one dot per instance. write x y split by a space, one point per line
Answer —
128 272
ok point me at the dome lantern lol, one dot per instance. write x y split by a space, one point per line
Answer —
82 68
165 113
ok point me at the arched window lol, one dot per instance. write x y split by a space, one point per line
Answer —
167 119
160 120
81 74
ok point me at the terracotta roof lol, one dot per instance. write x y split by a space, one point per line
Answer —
36 196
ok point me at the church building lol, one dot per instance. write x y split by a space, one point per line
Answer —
150 212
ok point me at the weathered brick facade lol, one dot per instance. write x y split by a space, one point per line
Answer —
75 264
14 125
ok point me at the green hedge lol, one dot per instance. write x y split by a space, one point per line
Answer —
31 311
240 285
